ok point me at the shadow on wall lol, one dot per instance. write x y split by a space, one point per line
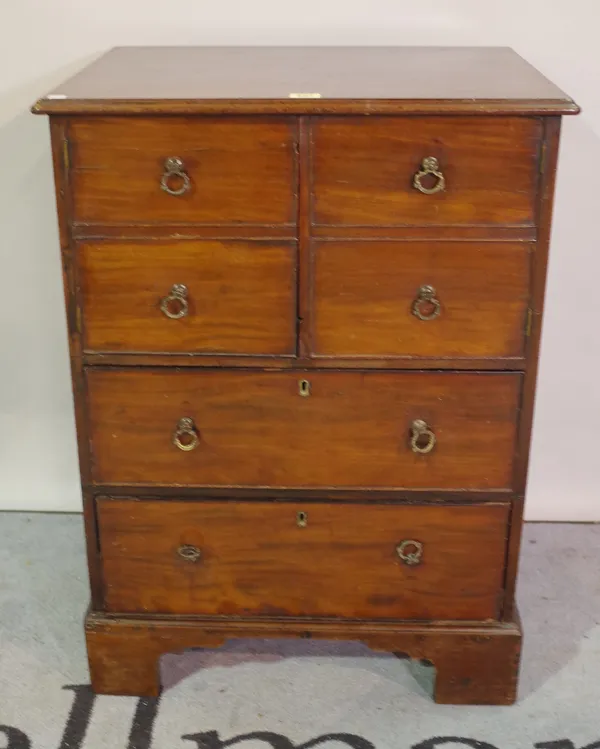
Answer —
564 467
38 463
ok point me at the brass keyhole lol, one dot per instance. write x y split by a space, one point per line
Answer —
304 388
301 519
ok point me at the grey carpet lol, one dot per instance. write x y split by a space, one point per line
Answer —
289 693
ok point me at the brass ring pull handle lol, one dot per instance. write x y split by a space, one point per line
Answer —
175 304
174 168
410 552
426 306
422 439
429 167
189 553
186 436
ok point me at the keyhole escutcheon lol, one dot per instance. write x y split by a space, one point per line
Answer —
304 388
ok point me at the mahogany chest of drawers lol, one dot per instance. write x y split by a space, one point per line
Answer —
304 292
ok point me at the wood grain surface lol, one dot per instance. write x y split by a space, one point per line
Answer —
241 171
364 170
476 663
255 429
241 296
364 292
350 79
256 560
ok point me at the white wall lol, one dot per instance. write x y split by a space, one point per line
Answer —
43 41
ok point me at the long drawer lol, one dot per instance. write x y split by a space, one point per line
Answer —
413 430
292 559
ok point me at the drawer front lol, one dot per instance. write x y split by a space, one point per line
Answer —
291 559
364 171
342 429
232 171
189 296
431 299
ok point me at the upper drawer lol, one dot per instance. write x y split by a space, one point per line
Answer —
230 170
189 296
367 171
352 429
420 299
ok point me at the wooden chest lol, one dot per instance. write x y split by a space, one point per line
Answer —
304 292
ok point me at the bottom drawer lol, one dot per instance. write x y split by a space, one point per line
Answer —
239 558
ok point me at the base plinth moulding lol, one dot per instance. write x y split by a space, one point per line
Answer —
476 663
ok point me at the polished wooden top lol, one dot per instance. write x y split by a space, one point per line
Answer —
477 80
